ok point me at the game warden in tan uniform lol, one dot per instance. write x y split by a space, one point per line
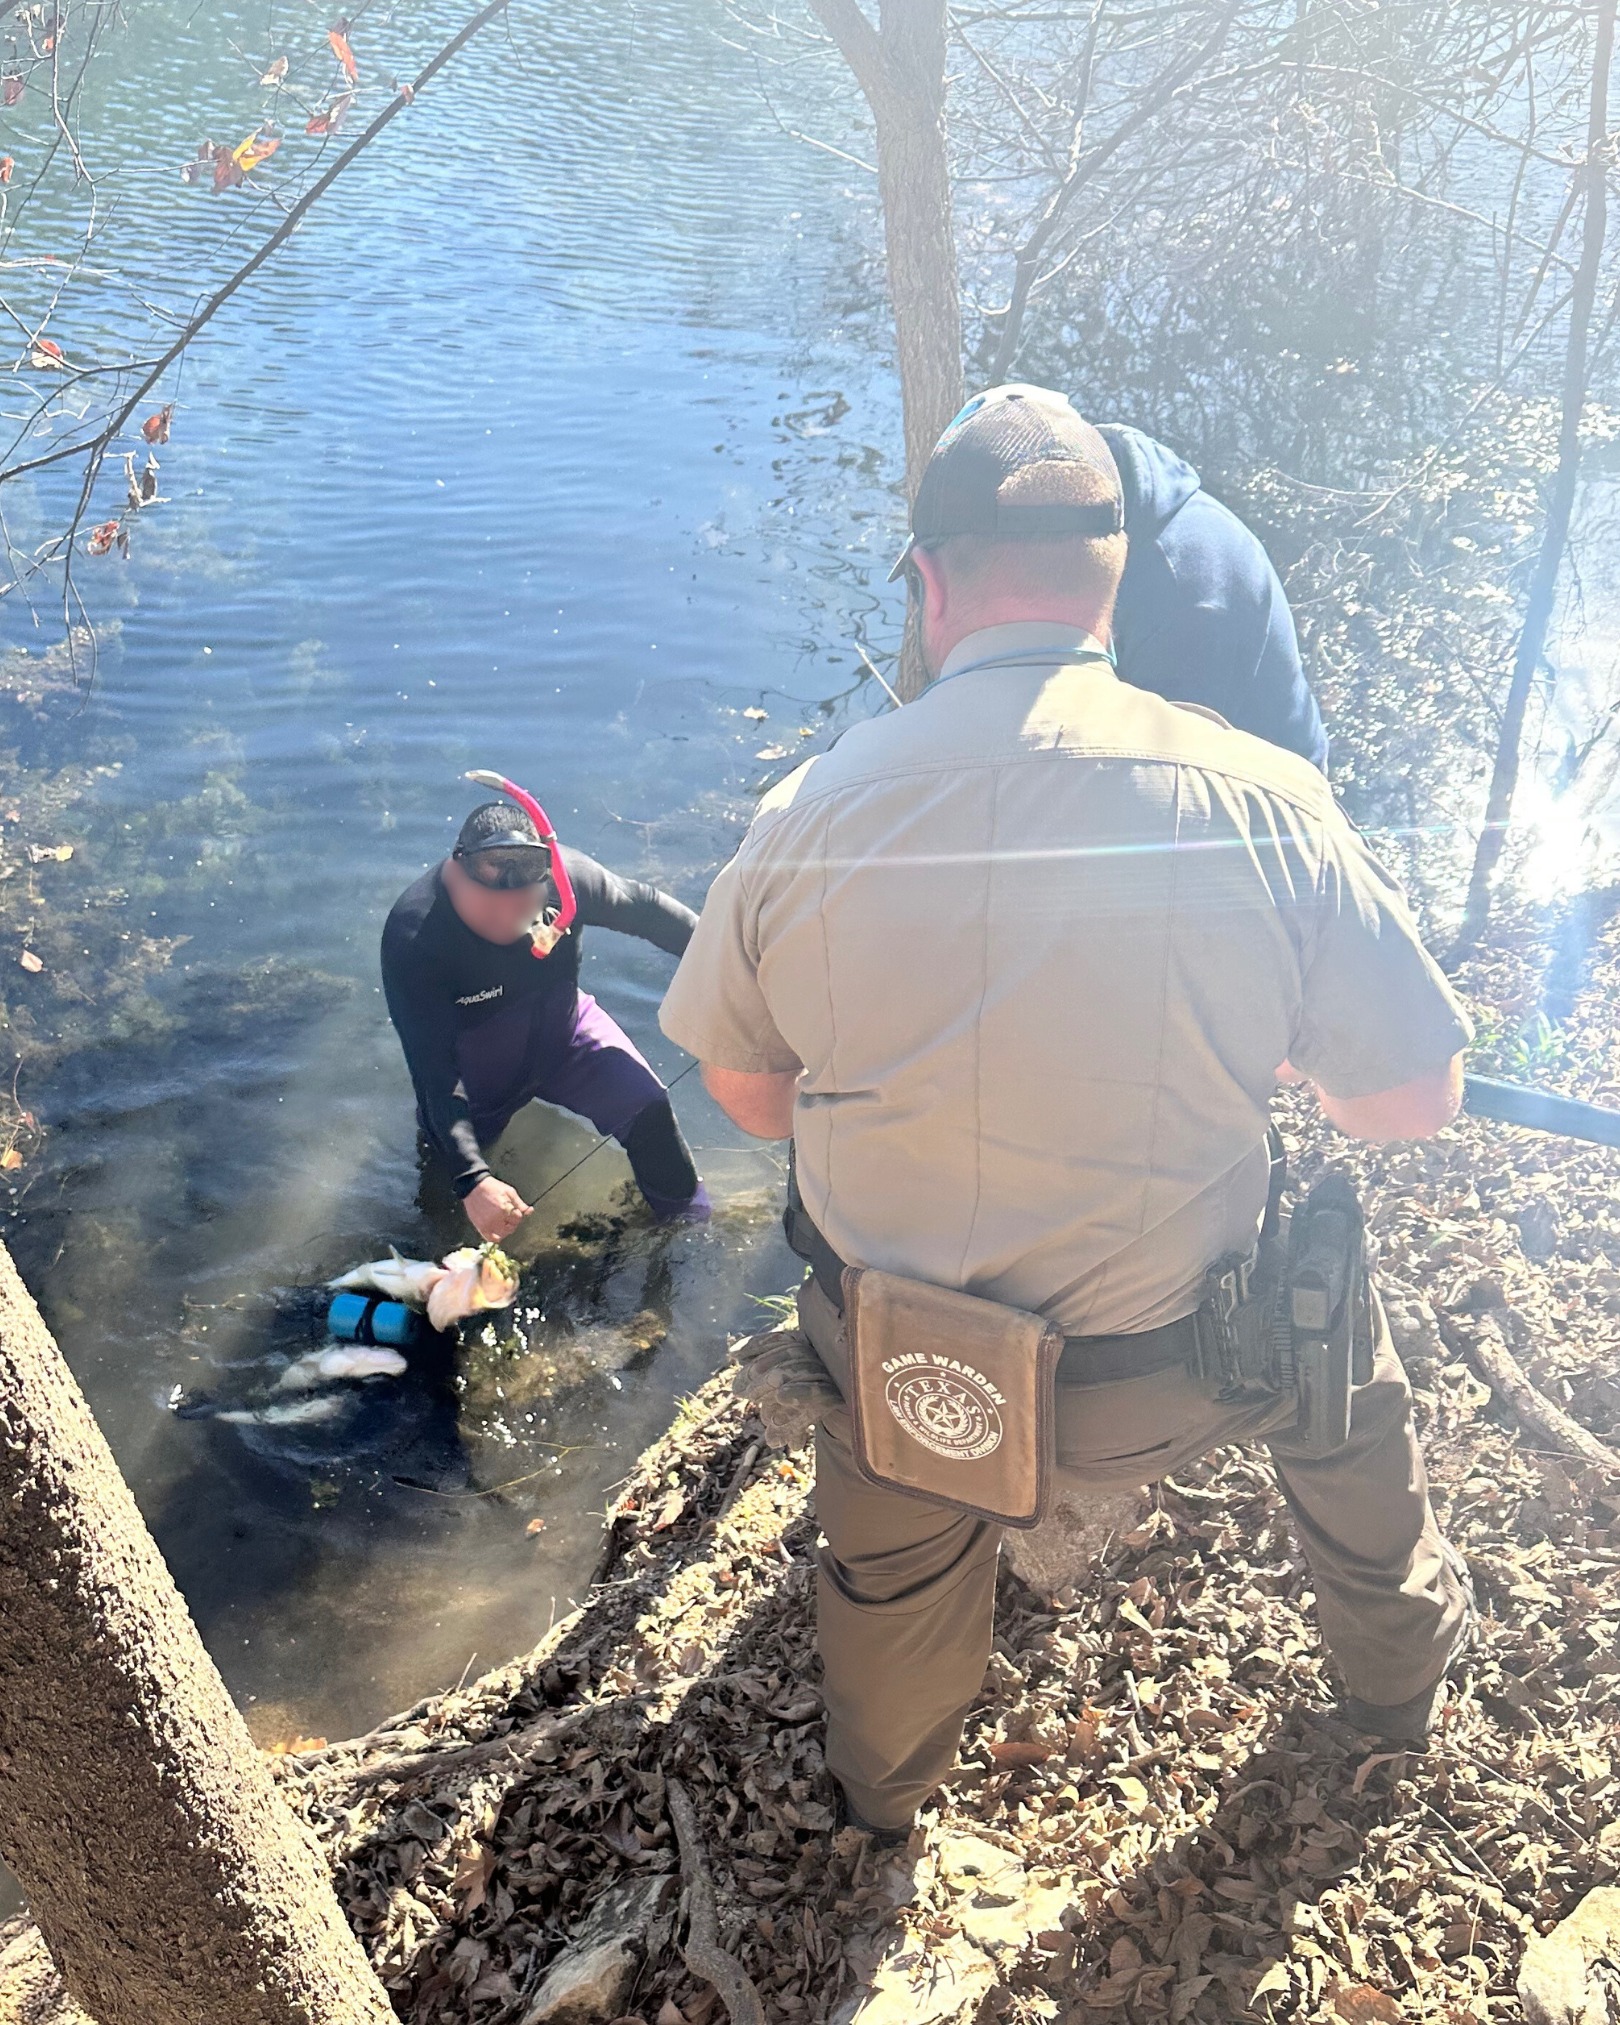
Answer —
1018 967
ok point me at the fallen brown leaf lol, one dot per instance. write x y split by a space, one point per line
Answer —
1012 1751
472 1877
1361 2004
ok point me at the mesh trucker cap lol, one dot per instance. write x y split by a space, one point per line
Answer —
1017 464
497 826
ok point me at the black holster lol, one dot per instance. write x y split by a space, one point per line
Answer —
1296 1316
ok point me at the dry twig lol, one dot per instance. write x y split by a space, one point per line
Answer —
1502 1371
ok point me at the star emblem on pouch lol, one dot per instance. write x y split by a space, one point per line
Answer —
946 1406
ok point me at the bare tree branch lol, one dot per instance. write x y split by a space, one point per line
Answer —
95 449
857 42
1027 261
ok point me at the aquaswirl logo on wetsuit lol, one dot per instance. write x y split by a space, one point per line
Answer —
948 1406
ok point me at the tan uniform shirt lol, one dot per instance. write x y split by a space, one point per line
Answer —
1040 942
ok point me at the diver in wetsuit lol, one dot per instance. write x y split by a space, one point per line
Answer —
487 1022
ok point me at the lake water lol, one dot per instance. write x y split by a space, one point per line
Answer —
549 444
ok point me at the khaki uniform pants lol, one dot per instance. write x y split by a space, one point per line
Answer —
906 1590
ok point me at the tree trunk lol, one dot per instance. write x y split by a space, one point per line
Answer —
915 185
170 1883
900 66
1594 171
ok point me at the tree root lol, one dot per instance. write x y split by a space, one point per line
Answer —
701 1951
456 1758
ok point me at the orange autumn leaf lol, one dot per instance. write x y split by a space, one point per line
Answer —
156 427
103 537
31 962
10 1159
1361 2004
276 72
7 164
338 37
257 148
11 89
45 355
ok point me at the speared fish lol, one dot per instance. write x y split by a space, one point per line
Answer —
308 1412
336 1361
328 1367
475 1278
394 1278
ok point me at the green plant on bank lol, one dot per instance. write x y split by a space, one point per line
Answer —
1527 1050
783 1309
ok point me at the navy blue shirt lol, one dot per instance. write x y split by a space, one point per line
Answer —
1201 616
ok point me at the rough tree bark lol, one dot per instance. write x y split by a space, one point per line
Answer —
900 67
1593 172
171 1884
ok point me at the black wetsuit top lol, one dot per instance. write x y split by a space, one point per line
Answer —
441 981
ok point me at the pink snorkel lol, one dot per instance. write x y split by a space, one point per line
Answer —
545 935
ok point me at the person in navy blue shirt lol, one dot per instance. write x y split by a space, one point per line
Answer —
1201 616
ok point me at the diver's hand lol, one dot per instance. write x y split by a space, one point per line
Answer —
495 1209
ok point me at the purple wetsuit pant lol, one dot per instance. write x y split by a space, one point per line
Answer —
572 1054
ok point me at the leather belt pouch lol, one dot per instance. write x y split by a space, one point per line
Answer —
951 1396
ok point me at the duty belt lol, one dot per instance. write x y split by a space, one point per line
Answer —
1086 1360
1292 1316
